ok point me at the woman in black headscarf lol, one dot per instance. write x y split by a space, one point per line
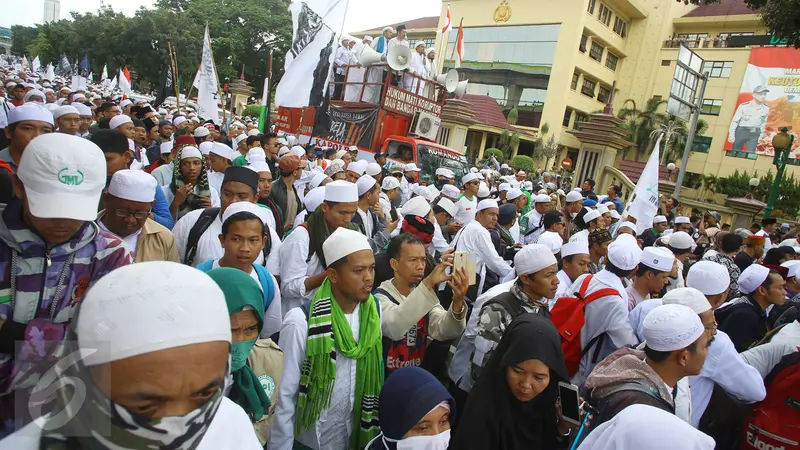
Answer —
513 403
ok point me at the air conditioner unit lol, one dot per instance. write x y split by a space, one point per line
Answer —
425 125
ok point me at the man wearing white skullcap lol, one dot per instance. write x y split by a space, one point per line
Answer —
531 225
553 223
86 119
369 223
573 204
536 282
128 203
608 315
311 201
468 202
122 124
355 169
681 245
676 344
651 276
574 263
710 278
68 120
745 318
390 189
682 223
650 235
24 123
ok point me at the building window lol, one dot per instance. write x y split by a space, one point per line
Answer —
596 53
701 144
603 94
666 62
620 27
657 98
611 61
582 47
590 8
711 107
575 77
444 136
587 88
692 40
579 117
605 15
717 69
567 117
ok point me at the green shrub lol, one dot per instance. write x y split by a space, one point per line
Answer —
522 162
496 152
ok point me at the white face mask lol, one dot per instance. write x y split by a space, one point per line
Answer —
437 442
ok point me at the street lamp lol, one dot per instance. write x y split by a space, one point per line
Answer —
782 143
670 169
754 182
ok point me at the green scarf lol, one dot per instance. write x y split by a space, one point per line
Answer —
318 231
242 291
319 368
192 201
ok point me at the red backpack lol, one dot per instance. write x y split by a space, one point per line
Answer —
775 423
568 315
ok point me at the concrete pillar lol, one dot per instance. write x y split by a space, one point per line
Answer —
513 96
482 147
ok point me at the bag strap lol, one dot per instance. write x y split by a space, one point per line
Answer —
266 283
387 294
205 220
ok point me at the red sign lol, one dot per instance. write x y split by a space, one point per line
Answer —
566 163
289 120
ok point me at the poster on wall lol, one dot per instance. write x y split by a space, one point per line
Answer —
769 100
347 126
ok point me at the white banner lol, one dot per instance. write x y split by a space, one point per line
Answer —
207 90
645 203
104 76
317 29
50 73
113 84
36 66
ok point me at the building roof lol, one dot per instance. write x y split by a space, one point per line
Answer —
413 24
634 169
487 111
723 8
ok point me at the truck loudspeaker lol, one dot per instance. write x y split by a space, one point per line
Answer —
399 57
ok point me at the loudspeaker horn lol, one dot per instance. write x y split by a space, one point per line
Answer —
451 80
368 56
399 57
461 90
442 79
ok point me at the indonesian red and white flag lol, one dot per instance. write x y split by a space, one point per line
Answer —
125 80
448 25
460 45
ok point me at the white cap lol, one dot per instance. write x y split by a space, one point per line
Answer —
63 177
125 103
341 191
626 224
533 258
177 121
82 109
390 183
682 219
794 269
373 169
365 184
66 109
591 215
253 132
447 205
502 187
573 196
255 154
448 190
574 248
659 219
513 194
668 328
473 169
314 198
681 240
423 192
201 132
261 213
708 277
624 252
411 167
416 206
751 278
368 38
447 173
191 152
317 180
658 258
30 111
297 150
487 204
551 240
116 121
433 190
123 316
281 151
542 198
470 177
689 297
166 147
205 147
222 150
602 209
133 185
343 242
614 214
357 167
483 190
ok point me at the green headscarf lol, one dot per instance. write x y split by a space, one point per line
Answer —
240 292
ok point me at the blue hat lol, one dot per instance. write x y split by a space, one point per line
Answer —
318 152
408 395
589 202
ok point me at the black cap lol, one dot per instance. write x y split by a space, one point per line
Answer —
241 174
401 27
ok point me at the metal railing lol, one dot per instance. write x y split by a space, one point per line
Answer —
372 85
709 42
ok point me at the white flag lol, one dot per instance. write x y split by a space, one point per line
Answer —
208 91
50 73
124 81
113 84
317 27
645 204
105 73
196 82
36 65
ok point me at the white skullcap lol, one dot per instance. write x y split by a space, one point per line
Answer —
253 132
133 185
551 240
317 180
615 214
682 219
752 278
533 258
434 191
788 243
794 269
487 204
624 252
314 198
513 194
373 169
561 193
30 111
483 190
357 167
177 121
473 170
390 183
82 109
201 132
659 219
502 187
68 109
368 38
205 147
630 225
60 101
256 154
191 152
688 297
252 208
283 151
422 43
470 177
671 327
591 215
447 205
658 258
447 173
116 121
577 189
542 198
365 184
385 29
574 248
448 190
521 173
150 306
297 150
416 206
602 209
423 192
341 192
352 148
223 151
438 172
681 240
708 277
125 103
573 196
411 167
343 242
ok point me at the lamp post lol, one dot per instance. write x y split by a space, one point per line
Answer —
782 143
670 169
754 182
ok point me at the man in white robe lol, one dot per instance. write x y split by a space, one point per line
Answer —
412 83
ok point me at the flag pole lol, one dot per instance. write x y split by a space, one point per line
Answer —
173 64
453 53
219 87
263 120
443 44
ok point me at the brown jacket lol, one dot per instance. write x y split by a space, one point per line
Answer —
266 360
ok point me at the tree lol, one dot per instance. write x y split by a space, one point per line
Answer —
780 16
23 38
640 124
674 131
522 162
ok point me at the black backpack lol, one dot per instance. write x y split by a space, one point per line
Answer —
207 217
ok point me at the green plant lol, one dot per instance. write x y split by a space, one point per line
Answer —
787 204
522 162
496 152
252 110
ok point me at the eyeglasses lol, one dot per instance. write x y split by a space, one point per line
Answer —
124 214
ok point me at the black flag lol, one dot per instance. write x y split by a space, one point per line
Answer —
167 87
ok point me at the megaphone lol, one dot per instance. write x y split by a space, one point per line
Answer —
461 89
441 79
368 56
399 57
451 81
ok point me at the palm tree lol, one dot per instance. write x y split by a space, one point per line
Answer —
673 150
668 130
641 123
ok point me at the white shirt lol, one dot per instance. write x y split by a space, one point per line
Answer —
534 221
300 218
563 290
294 269
440 244
215 180
163 174
342 59
366 220
171 196
639 312
272 316
130 240
474 238
466 209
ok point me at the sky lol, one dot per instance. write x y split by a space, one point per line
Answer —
361 14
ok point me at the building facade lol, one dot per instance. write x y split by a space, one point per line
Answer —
52 11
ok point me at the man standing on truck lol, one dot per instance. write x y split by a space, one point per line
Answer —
342 59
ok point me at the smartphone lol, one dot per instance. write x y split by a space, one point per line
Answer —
570 402
462 259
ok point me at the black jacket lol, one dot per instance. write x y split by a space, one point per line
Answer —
280 195
744 321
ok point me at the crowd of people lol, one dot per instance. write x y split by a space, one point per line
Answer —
169 283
